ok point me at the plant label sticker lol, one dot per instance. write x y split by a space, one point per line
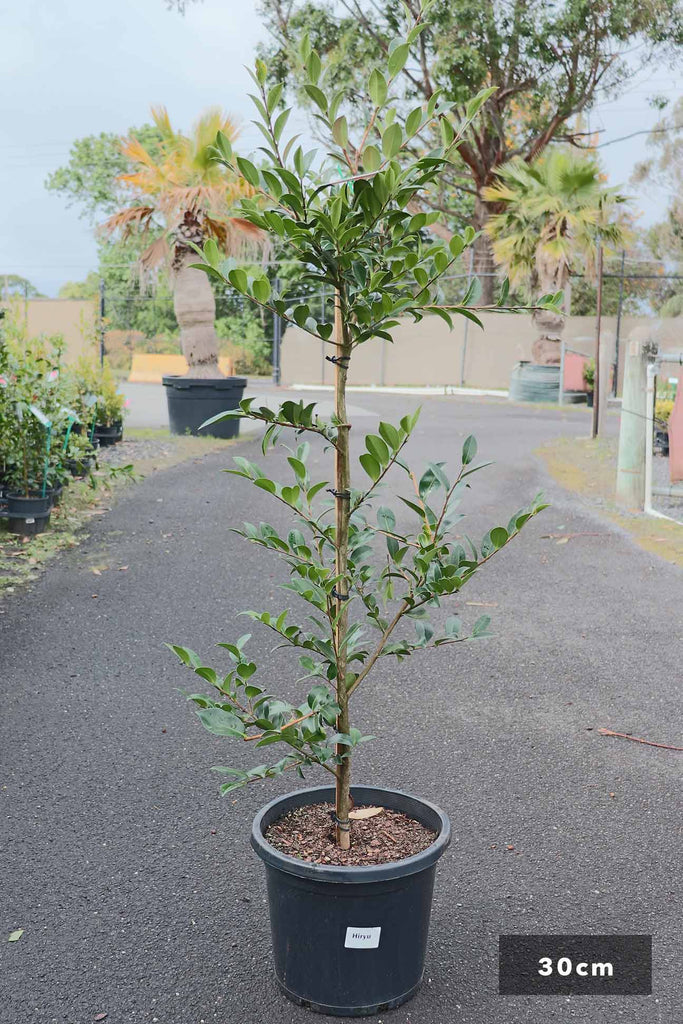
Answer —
362 938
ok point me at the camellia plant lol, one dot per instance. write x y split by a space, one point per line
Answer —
348 219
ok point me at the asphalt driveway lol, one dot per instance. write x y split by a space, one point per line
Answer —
134 881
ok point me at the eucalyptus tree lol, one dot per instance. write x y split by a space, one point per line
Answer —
351 562
545 63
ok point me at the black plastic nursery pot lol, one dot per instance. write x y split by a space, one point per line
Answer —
589 399
28 516
106 436
350 941
193 400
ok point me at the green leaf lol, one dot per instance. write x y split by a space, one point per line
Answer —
186 655
469 449
261 289
340 131
392 140
248 171
220 723
499 537
317 95
372 158
386 519
377 87
377 447
413 121
390 435
16 935
397 59
481 626
238 279
265 484
370 465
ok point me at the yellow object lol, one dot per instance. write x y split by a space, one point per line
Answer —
149 368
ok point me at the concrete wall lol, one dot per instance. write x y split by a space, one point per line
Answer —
429 354
74 319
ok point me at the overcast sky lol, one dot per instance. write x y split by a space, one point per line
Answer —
70 68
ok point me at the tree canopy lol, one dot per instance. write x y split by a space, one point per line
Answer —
545 62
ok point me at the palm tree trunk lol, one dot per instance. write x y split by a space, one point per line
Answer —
546 349
195 310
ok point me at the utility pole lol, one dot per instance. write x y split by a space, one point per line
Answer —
277 340
596 385
463 354
101 323
615 380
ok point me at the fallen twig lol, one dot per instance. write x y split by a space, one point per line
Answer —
636 739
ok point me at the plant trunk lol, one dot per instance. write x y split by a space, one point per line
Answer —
195 310
546 349
343 506
484 265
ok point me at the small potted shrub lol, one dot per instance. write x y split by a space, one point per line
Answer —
589 381
349 909
30 398
28 501
110 407
663 410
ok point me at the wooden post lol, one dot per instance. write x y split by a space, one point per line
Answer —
342 498
631 459
596 384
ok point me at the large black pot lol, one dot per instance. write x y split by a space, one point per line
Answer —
350 941
193 400
28 516
105 436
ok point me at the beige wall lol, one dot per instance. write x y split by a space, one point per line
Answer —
74 319
429 354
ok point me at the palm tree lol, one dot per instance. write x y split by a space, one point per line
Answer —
552 211
182 196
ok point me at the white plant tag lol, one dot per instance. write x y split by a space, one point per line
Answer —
362 938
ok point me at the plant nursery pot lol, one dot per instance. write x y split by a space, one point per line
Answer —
193 400
661 441
105 436
589 399
56 493
28 516
350 941
79 467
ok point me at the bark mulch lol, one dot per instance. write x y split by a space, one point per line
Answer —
308 834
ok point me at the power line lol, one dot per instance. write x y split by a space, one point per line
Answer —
644 131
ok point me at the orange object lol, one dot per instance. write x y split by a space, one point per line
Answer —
573 371
676 437
149 368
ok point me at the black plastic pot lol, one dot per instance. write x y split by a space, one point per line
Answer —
192 401
55 493
589 399
106 436
79 467
28 516
661 440
350 941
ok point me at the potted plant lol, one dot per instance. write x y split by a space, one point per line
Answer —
110 409
663 409
93 395
349 920
589 381
27 499
181 197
